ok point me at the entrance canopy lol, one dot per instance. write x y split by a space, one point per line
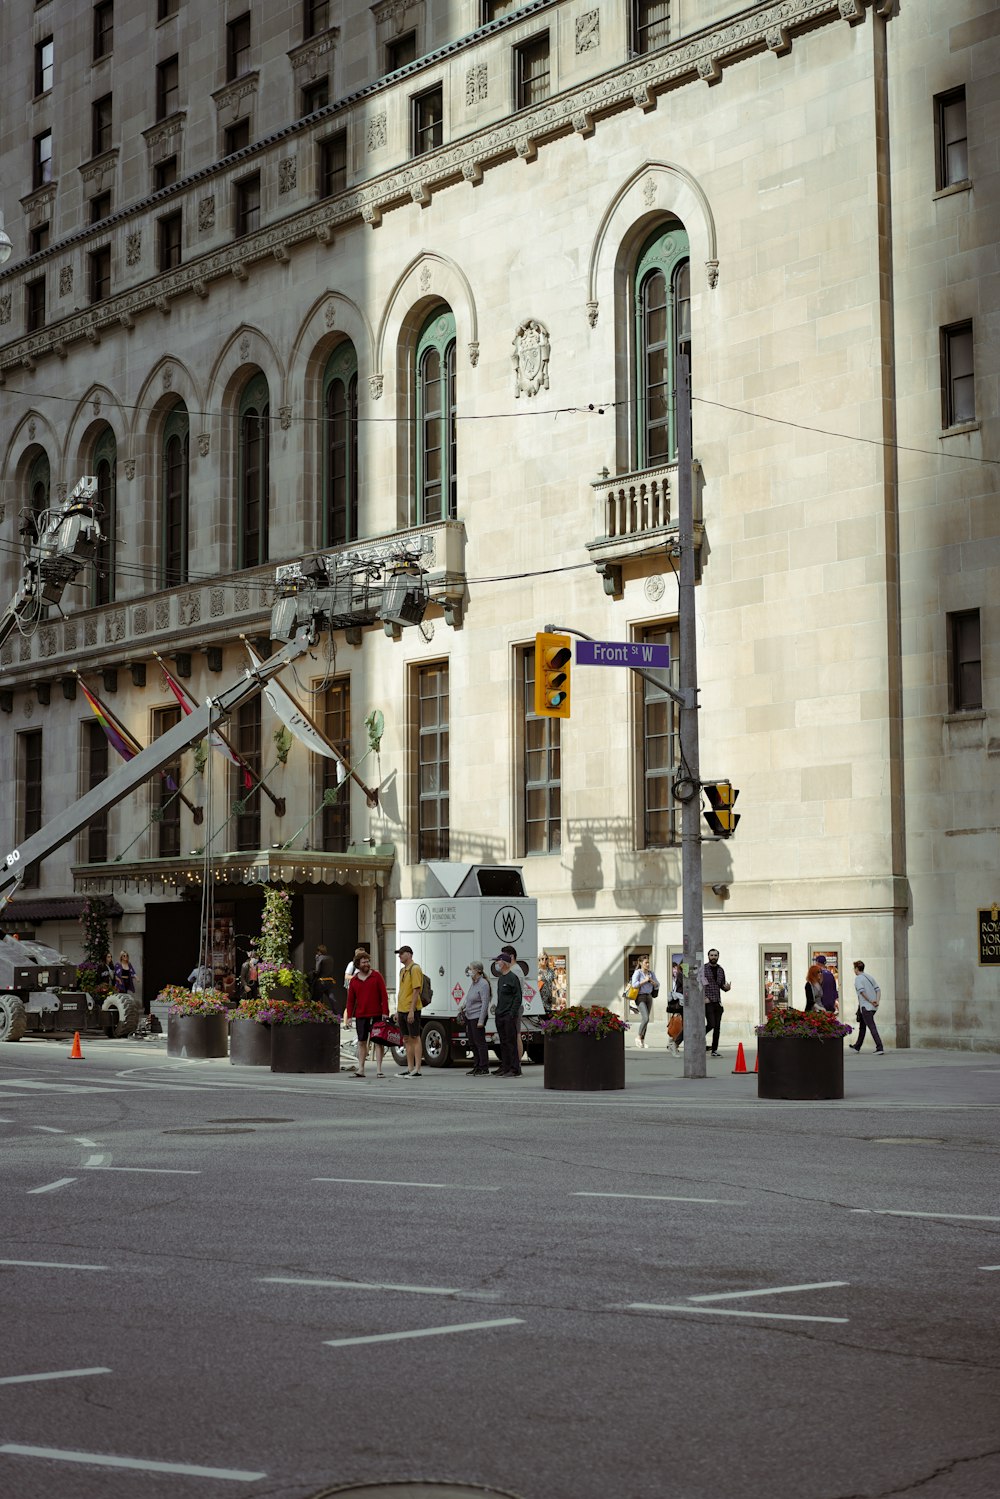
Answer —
359 866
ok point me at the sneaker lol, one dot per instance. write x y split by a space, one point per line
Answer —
639 1043
713 1053
879 1051
852 1047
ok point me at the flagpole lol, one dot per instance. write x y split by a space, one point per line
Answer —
133 743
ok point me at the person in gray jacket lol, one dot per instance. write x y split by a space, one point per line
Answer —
476 1007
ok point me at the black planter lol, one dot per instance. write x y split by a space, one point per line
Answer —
313 1047
249 1043
197 1037
800 1067
578 1063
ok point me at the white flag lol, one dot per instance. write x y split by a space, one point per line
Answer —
297 720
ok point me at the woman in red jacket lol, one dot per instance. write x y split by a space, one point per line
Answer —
367 1001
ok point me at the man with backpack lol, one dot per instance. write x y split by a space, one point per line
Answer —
409 1001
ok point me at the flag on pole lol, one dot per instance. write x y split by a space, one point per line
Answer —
216 740
119 739
298 721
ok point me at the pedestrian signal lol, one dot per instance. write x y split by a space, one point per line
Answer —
553 656
722 798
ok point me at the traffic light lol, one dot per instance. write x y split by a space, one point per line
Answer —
553 655
722 797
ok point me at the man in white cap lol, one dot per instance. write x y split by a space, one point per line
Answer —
408 1005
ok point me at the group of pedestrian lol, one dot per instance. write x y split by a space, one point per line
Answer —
644 987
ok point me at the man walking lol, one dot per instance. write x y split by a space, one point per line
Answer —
508 1005
408 1006
324 976
829 983
869 994
248 974
712 982
367 1001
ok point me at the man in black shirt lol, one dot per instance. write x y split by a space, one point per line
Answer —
712 978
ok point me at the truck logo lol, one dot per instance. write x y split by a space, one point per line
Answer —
508 924
423 917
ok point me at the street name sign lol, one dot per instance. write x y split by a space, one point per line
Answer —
622 653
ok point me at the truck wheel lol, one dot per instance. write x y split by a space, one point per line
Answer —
437 1043
121 1015
398 1054
13 1018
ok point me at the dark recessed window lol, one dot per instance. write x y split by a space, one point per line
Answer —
41 159
333 164
165 173
428 121
100 207
100 129
400 51
100 273
235 137
34 295
165 798
170 241
650 25
337 724
44 58
238 47
38 238
166 8
248 205
104 29
966 653
317 17
952 138
532 77
168 88
494 9
316 96
958 376
30 818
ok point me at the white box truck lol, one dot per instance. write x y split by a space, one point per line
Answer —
471 911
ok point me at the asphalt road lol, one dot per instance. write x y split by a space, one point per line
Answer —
219 1283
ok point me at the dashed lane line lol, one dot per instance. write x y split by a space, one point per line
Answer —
656 1197
359 1285
816 1285
423 1332
722 1311
56 1374
138 1464
361 1181
50 1265
64 1181
901 1213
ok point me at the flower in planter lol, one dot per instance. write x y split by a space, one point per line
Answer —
587 1020
817 1023
92 978
184 1002
296 1012
272 975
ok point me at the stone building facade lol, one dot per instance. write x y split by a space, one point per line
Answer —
300 277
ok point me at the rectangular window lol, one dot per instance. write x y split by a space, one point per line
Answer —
246 741
966 663
248 205
165 173
400 51
38 238
650 25
658 748
44 58
166 802
41 159
952 141
958 376
238 47
333 164
532 78
100 207
432 761
100 273
316 96
337 727
170 232
494 9
100 126
166 8
235 137
95 770
542 830
428 121
30 781
316 18
104 29
34 296
168 88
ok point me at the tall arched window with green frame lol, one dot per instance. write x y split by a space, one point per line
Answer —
340 445
436 451
661 301
106 472
176 471
253 471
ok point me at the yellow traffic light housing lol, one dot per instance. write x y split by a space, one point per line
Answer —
722 798
553 657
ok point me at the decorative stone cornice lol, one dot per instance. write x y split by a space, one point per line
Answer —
160 138
94 171
230 97
38 203
312 58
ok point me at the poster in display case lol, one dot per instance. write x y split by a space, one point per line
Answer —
775 976
553 980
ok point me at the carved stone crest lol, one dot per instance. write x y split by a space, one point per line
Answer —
130 468
286 174
476 83
5 307
330 315
133 248
654 588
530 358
245 348
375 386
285 417
649 191
168 377
96 404
425 279
377 134
204 443
206 212
32 429
65 280
588 31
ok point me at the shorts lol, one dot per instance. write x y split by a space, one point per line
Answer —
363 1025
407 1026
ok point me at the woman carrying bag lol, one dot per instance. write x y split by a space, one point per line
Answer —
647 987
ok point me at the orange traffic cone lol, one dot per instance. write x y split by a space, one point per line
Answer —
75 1050
741 1061
756 1062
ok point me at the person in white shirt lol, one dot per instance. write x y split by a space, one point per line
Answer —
868 993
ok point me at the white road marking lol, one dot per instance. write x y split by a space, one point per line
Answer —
146 1170
653 1197
59 1374
423 1332
64 1181
899 1213
989 1267
143 1465
81 1140
19 1083
51 1265
359 1285
47 1129
721 1311
96 1160
816 1285
361 1181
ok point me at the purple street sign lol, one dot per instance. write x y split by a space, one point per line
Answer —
622 653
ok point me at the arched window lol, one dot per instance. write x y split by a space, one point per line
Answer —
105 470
39 483
176 469
662 303
340 446
436 492
254 467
